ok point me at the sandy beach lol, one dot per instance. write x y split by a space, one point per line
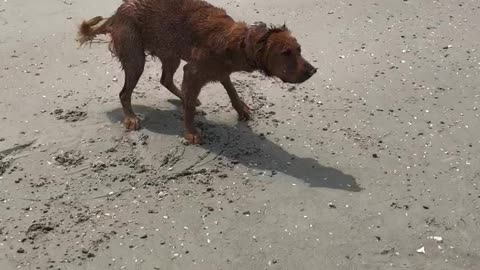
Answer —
373 163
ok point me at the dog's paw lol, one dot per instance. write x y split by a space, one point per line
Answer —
244 112
131 123
193 138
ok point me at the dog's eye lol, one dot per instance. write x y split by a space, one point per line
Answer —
287 52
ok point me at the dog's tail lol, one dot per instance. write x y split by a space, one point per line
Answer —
88 30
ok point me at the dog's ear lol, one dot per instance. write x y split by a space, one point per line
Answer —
272 29
277 28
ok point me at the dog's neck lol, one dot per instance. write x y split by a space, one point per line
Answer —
247 50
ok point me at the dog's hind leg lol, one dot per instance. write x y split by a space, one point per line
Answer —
169 67
244 112
128 47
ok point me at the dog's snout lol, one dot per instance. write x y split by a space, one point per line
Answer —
309 70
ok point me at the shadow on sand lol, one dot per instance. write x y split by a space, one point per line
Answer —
241 144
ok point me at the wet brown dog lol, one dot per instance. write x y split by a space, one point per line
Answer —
211 42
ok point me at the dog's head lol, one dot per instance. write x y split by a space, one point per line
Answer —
280 55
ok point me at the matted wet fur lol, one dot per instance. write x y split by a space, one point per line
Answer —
210 41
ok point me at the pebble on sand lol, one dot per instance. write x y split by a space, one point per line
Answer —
421 250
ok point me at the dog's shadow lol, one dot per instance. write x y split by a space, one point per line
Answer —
240 144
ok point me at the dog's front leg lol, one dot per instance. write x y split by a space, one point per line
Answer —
244 112
192 83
